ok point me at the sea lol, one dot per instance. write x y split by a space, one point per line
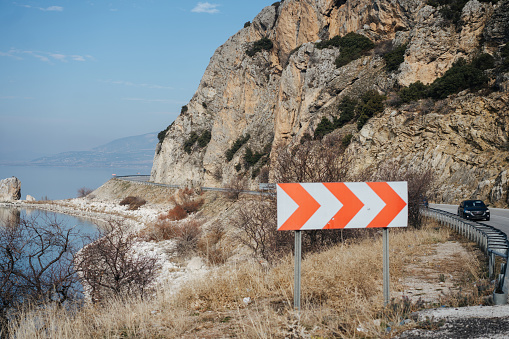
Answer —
57 183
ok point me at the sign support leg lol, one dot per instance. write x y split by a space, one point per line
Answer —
385 239
298 256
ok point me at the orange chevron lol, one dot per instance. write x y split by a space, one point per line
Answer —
393 204
307 206
351 205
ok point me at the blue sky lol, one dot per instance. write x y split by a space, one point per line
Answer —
75 74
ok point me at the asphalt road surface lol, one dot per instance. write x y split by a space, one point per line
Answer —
499 217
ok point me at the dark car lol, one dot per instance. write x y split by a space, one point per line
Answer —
474 210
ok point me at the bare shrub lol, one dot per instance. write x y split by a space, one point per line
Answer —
235 186
36 263
314 161
185 233
192 205
110 266
133 202
257 221
176 213
212 246
184 200
84 191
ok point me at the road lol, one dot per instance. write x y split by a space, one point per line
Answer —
499 216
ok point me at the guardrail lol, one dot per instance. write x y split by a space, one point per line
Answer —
144 179
491 240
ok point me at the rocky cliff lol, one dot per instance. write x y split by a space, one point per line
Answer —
272 84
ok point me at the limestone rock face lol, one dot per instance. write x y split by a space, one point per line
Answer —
462 141
10 189
278 96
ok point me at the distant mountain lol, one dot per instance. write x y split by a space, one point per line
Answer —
135 151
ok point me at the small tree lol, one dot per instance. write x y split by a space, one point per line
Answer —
110 266
84 191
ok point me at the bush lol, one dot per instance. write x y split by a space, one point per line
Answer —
209 245
346 140
371 104
347 108
236 146
37 258
204 139
192 206
451 9
161 135
323 128
176 213
133 202
333 42
247 24
251 158
183 110
483 62
413 92
109 268
234 187
353 46
260 45
459 77
394 58
185 234
189 142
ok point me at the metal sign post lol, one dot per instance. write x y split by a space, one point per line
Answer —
296 280
386 277
340 205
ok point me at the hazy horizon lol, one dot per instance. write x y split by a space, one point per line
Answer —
76 75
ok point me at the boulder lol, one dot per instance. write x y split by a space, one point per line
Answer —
10 189
30 198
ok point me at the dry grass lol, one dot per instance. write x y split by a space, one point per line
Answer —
341 297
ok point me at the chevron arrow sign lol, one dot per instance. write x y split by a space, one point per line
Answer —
338 205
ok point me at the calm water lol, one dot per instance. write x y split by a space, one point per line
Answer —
57 183
11 215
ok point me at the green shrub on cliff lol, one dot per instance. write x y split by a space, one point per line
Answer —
352 46
203 139
260 45
459 77
370 104
347 108
394 58
323 128
413 92
236 146
161 135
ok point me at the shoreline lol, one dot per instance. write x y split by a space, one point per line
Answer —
98 212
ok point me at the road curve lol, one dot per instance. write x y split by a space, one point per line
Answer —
499 216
